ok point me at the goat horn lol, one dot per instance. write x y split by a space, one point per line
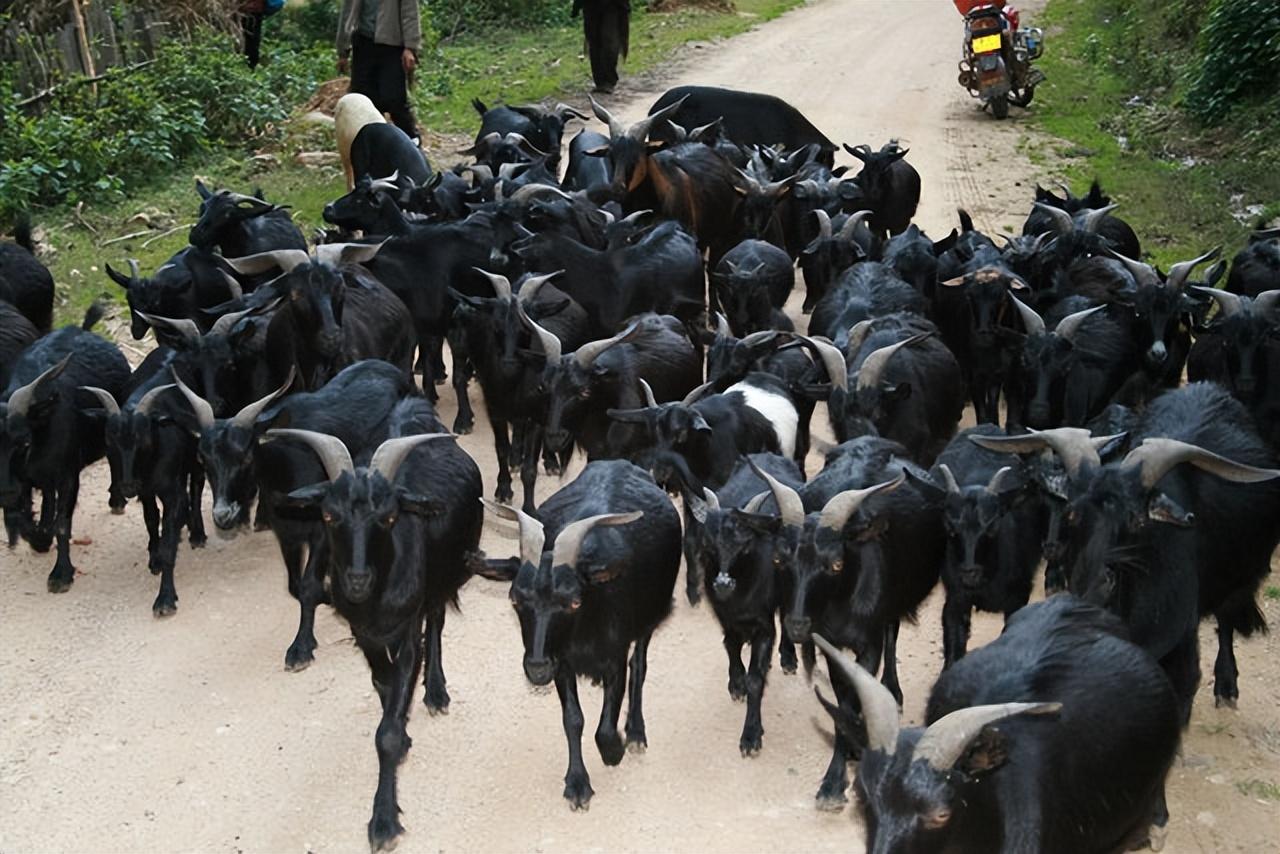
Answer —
1179 272
1073 445
568 543
947 739
283 259
232 283
837 512
134 272
616 128
246 416
184 326
722 326
532 535
1229 304
1264 234
649 400
948 479
224 324
387 183
694 396
389 456
1062 221
199 406
148 400
501 284
347 253
551 346
1092 218
1143 274
832 361
1265 302
997 482
824 223
712 500
1156 457
857 334
20 399
529 287
879 708
107 399
790 507
851 224
873 366
589 352
1031 319
1068 326
530 192
640 130
634 217
331 450
756 502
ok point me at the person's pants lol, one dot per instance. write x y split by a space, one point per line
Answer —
606 25
251 26
378 73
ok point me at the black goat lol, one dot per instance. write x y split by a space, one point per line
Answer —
49 432
751 284
25 283
995 525
239 225
399 535
16 334
543 128
832 251
864 291
1256 267
856 569
585 171
183 287
1239 351
593 580
890 187
1084 774
1118 233
381 148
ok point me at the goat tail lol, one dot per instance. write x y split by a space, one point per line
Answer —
91 317
22 233
966 221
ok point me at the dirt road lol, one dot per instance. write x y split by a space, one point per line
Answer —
119 732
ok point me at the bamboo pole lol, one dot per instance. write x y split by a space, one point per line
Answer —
86 56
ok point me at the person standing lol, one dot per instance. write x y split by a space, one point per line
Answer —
251 14
379 40
606 25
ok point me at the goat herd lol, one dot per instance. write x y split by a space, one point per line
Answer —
285 376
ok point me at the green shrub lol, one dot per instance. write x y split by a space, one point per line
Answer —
454 16
1240 55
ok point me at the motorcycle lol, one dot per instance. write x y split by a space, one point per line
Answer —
998 54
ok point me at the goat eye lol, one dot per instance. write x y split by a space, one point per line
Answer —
575 604
327 517
837 565
936 819
584 392
389 520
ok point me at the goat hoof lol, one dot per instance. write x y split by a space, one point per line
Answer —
503 494
637 744
384 833
60 582
831 802
198 541
297 659
164 609
1225 702
611 748
750 745
578 792
436 700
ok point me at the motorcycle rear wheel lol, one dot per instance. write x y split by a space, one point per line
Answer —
1000 108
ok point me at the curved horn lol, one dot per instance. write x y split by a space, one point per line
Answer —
946 740
790 507
694 396
134 272
184 326
20 399
245 417
754 504
1073 445
105 397
1143 274
529 287
948 479
501 284
640 130
1062 221
232 283
1156 457
530 192
824 223
712 500
149 399
649 400
1068 326
331 450
199 406
873 366
852 223
551 346
722 326
224 324
879 708
616 129
1229 304
996 485
1092 218
837 512
262 262
1031 319
589 352
532 536
857 334
389 456
1265 302
1179 272
832 361
568 543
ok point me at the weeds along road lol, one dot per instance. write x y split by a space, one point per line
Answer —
120 732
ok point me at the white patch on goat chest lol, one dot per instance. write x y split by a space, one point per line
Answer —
777 408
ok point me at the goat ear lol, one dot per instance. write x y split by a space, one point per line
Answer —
203 190
419 505
986 753
932 493
700 424
308 496
901 391
814 391
119 278
1162 508
602 574
839 171
761 523
494 569
548 309
872 530
848 723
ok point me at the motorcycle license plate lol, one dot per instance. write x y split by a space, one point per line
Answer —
986 44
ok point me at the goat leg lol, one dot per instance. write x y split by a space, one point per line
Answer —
637 739
435 694
392 740
64 573
577 784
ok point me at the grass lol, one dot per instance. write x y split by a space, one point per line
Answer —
1272 592
1110 103
511 66
1261 789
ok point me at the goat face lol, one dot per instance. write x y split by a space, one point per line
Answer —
227 453
15 438
972 518
570 389
317 294
358 209
1158 311
734 550
221 209
130 439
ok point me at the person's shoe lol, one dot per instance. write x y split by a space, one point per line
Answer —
604 88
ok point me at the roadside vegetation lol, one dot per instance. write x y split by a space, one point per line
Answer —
92 169
1174 106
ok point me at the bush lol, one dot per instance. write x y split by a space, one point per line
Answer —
454 16
195 97
1240 52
